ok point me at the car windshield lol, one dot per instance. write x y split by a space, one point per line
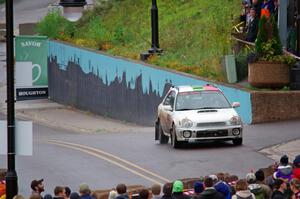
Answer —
201 100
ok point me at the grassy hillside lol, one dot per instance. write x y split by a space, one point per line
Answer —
194 34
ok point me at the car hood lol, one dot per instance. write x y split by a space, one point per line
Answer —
206 115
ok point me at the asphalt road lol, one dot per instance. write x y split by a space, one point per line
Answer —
66 165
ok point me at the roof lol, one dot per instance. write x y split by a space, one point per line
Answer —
186 88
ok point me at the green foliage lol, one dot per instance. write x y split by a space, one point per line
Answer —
194 34
56 26
262 35
2 1
268 45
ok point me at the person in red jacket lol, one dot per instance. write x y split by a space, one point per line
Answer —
296 169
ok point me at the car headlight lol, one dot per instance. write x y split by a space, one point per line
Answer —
235 120
186 123
187 134
236 132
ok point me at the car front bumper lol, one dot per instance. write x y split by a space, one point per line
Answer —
196 134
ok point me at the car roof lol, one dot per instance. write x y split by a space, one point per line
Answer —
187 88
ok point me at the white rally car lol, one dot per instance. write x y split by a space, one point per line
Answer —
195 113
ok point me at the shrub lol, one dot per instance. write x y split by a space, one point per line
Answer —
56 26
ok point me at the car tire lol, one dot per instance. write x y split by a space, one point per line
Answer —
237 142
163 139
175 144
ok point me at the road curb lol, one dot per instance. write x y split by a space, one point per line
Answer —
276 151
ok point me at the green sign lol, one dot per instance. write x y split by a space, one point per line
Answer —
33 50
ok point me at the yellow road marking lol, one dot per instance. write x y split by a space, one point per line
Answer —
89 150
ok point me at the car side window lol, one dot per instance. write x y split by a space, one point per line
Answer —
170 99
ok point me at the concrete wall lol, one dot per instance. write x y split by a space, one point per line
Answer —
117 87
275 106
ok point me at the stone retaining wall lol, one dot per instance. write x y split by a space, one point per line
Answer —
272 106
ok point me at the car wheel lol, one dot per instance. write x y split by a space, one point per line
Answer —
238 141
163 139
175 144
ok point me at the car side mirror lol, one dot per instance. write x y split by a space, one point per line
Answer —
168 108
236 104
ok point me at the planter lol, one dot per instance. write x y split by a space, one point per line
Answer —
264 74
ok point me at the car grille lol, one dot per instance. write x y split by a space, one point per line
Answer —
219 133
210 124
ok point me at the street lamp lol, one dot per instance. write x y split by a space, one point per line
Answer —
72 9
155 36
11 175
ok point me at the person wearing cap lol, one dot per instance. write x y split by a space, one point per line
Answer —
223 188
37 187
177 190
296 169
209 191
255 188
85 191
279 187
295 187
284 170
198 189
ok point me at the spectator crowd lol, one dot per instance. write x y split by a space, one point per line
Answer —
254 10
283 183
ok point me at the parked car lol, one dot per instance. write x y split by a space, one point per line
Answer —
195 113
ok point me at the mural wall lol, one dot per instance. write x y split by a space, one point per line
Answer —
118 88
